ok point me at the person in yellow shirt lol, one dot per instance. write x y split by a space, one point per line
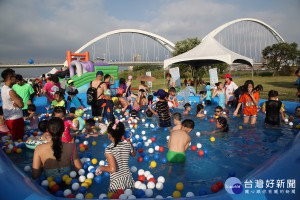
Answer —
58 101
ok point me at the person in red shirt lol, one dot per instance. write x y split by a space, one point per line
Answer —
250 100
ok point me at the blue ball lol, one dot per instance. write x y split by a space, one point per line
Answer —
89 163
93 170
143 154
202 192
211 116
82 189
155 128
98 179
156 157
154 136
133 139
42 177
205 151
136 148
59 193
140 139
295 132
165 129
205 118
105 145
231 173
127 134
80 155
58 180
146 158
140 145
105 163
106 174
89 155
139 193
30 61
138 127
74 181
164 160
85 166
154 144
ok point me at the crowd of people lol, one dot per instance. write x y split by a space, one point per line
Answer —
59 153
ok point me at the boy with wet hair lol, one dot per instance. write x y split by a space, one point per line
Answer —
177 121
172 97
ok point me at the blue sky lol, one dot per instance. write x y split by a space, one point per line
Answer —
45 30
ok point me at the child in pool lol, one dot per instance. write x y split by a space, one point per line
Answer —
177 121
3 127
149 114
90 129
207 96
58 101
150 99
179 142
250 100
220 92
221 124
33 117
78 122
219 112
60 112
43 128
172 97
117 154
273 108
71 115
187 107
200 109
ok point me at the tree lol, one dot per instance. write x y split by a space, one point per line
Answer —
281 56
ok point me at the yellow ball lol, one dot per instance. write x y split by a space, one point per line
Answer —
65 177
217 117
85 185
238 115
240 127
49 179
88 181
94 161
19 150
298 126
179 186
212 139
89 196
10 142
109 195
176 194
19 140
8 151
68 181
94 143
51 184
135 126
82 149
153 164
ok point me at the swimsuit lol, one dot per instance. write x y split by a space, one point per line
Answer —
173 156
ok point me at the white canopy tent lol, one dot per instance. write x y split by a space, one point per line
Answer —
209 51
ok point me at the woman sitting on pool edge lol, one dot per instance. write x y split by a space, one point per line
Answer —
55 156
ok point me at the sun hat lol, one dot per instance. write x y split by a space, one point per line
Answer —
160 93
226 76
107 92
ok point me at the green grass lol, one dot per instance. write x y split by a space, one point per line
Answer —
283 84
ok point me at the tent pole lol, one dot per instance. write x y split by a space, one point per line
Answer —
164 78
252 71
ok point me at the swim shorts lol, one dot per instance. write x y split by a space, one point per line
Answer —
251 116
177 157
164 123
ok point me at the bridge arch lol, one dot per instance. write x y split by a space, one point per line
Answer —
269 28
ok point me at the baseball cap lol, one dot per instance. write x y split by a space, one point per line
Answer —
160 93
70 81
107 92
100 73
79 112
226 76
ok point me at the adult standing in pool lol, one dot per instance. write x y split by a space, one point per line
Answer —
171 81
12 105
230 87
101 88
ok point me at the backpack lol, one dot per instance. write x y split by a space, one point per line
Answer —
91 95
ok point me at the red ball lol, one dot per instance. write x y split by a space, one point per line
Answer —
214 188
71 196
140 159
152 180
211 120
141 178
141 150
120 191
81 145
220 184
47 115
14 148
194 148
115 196
227 111
34 133
201 152
86 147
55 188
153 139
161 149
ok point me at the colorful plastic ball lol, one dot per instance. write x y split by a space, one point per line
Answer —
58 180
198 134
176 194
105 145
201 152
75 186
90 175
30 61
94 143
202 192
86 185
164 160
45 183
128 192
133 169
179 186
67 192
26 168
81 149
59 193
146 158
89 196
205 118
71 196
212 139
141 178
81 145
161 179
94 161
81 172
193 148
211 120
109 195
141 150
139 193
127 134
106 174
161 149
123 196
240 127
189 194
98 179
55 188
81 178
102 196
79 196
205 151
220 184
156 156
214 188
88 181
149 192
19 150
140 159
153 164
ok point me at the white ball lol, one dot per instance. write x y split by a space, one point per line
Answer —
82 160
149 192
143 186
27 168
156 148
73 174
90 167
143 120
76 141
128 192
75 186
159 186
168 137
67 192
149 141
123 196
81 179
141 172
286 120
85 142
101 163
151 185
161 179
45 183
198 134
132 131
131 197
90 175
150 150
147 173
130 126
169 197
204 112
146 125
10 146
190 194
137 184
129 122
137 136
79 196
87 159
291 124
133 169
199 146
146 144
143 132
149 176
101 196
144 138
158 197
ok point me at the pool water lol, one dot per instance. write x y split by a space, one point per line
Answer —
237 152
